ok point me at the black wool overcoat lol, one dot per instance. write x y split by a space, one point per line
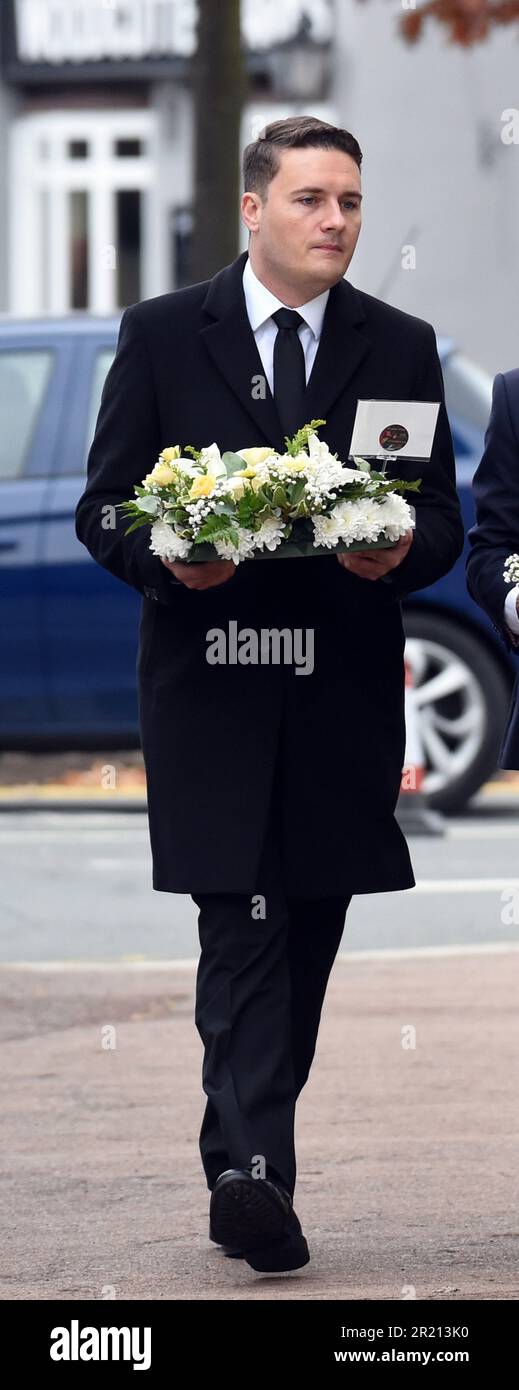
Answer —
186 371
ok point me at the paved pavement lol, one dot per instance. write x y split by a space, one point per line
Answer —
407 1154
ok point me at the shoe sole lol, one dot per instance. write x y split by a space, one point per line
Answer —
244 1214
227 1250
286 1255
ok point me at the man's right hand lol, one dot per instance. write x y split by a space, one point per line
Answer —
203 576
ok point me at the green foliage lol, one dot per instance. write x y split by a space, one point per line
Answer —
233 462
400 484
299 440
214 528
296 491
140 521
150 504
224 507
133 509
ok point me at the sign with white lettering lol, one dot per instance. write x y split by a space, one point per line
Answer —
80 31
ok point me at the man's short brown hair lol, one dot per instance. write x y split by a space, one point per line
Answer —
261 158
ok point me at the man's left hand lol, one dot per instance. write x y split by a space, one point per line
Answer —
372 564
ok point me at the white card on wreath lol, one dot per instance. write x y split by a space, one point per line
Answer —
403 428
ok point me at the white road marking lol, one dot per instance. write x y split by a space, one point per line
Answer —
117 864
463 885
26 832
483 832
108 828
423 885
122 963
396 953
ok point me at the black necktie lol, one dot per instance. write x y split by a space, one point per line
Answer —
289 371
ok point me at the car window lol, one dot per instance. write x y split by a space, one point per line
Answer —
468 390
102 363
24 374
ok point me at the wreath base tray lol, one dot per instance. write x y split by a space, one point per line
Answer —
293 549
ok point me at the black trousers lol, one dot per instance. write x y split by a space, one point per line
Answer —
260 985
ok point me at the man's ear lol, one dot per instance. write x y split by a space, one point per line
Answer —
241 207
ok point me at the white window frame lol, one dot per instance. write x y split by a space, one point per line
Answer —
102 174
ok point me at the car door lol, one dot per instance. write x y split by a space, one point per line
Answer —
33 371
90 618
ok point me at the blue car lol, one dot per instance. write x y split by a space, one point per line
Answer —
69 628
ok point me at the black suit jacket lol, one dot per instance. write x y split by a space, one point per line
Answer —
186 371
495 534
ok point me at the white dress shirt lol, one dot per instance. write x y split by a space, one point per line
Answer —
510 610
261 304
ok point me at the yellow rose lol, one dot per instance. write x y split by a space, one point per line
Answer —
162 474
203 485
258 455
172 453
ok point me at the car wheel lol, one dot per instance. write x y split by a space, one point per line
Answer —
462 697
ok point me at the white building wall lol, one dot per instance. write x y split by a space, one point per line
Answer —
8 107
436 174
173 176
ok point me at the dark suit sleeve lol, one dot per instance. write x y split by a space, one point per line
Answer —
125 447
438 536
495 534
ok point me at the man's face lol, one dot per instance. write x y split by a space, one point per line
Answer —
313 204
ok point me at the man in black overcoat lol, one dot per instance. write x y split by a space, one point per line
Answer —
271 786
495 535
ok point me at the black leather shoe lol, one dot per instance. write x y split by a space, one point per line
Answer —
228 1250
289 1251
255 1216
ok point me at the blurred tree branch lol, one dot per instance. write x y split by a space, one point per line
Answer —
467 21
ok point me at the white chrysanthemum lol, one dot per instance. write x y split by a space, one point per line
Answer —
370 522
326 530
349 519
270 534
228 551
165 542
396 516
